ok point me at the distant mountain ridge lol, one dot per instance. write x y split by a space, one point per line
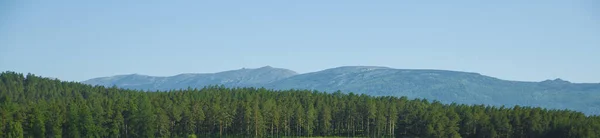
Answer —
234 78
442 85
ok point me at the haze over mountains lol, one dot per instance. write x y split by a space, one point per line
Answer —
441 85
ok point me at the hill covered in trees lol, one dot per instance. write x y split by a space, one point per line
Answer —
441 85
32 106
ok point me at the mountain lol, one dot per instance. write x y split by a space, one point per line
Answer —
441 85
449 86
234 78
32 106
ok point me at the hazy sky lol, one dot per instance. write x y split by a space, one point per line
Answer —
529 40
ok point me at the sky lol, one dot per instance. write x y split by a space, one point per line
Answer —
526 40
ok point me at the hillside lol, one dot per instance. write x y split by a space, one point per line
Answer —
449 86
445 86
234 78
32 106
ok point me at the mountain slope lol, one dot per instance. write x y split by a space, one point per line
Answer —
448 86
233 78
445 86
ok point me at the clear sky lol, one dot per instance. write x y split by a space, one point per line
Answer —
528 40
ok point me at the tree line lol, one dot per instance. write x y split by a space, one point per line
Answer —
33 106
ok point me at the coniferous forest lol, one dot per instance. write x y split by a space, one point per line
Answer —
32 106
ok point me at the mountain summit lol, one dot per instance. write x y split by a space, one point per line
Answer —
442 85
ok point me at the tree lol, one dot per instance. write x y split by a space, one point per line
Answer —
311 117
271 115
35 123
73 122
14 130
55 123
325 119
298 118
87 123
392 117
257 119
144 118
198 116
163 124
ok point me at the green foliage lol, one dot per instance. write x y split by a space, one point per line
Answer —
192 136
37 107
14 130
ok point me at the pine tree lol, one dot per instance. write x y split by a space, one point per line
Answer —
163 124
87 124
269 111
144 118
14 130
73 122
311 117
198 116
257 119
325 120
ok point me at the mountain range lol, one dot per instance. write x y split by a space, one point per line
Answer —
442 85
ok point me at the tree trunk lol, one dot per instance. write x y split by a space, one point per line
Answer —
126 131
220 128
348 128
271 129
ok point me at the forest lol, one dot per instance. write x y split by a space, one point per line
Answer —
34 106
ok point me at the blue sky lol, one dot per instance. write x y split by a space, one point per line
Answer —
529 40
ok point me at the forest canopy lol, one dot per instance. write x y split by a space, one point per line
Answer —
33 106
